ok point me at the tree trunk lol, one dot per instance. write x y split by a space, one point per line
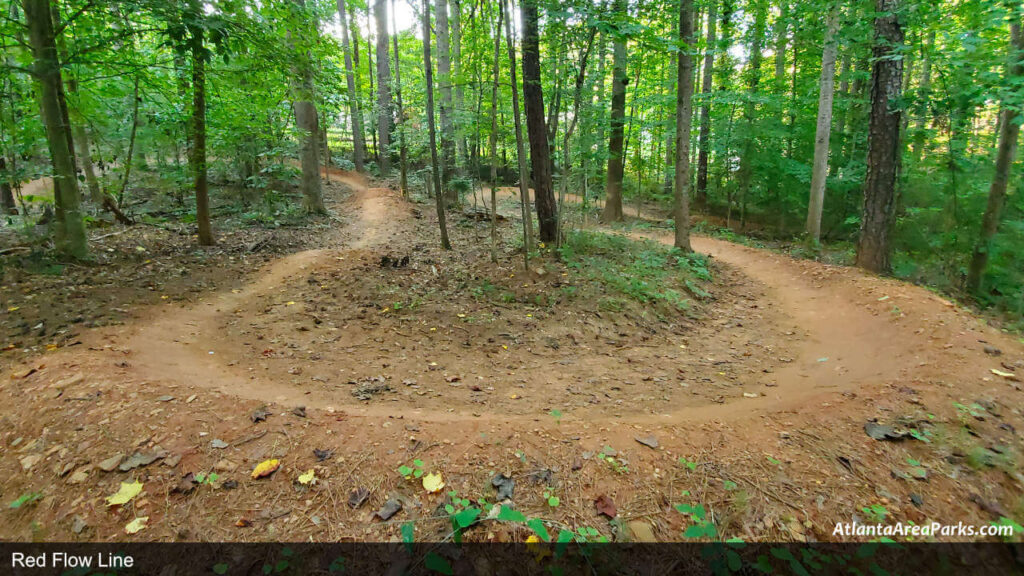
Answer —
131 144
456 37
704 139
70 229
355 115
428 70
524 172
81 138
746 172
1009 132
493 140
684 120
616 154
6 192
444 71
403 149
873 249
197 160
540 150
306 121
921 123
384 115
819 169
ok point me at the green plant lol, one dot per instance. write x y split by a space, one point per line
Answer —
415 472
875 513
25 499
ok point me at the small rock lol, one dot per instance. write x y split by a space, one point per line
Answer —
322 455
389 509
916 500
218 444
641 531
259 415
649 441
139 459
993 351
225 466
506 486
67 468
166 398
172 460
299 411
29 461
80 475
78 524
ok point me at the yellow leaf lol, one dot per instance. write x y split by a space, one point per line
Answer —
289 303
532 539
433 483
266 468
308 477
136 525
125 494
13 308
1001 373
461 315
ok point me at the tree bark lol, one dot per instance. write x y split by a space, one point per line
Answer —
456 38
1009 133
131 144
819 169
493 140
6 192
524 172
444 71
704 139
616 154
197 159
428 70
384 113
306 120
540 150
355 115
684 121
873 248
70 230
403 149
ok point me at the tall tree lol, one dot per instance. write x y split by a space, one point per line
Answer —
1009 133
384 113
874 249
428 73
456 37
925 89
403 148
540 151
444 70
197 158
704 139
524 172
493 141
616 154
70 229
819 168
684 120
306 120
746 171
354 113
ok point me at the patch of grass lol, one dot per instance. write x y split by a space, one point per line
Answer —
643 271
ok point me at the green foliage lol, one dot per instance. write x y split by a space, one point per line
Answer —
641 270
25 499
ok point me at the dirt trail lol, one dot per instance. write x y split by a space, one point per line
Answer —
850 328
187 347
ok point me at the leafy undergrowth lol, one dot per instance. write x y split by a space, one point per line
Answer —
615 269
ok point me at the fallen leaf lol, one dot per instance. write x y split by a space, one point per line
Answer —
505 485
136 525
606 506
125 494
433 482
243 523
358 497
266 468
218 444
322 455
259 415
1008 375
308 477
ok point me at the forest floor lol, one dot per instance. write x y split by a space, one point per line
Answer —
324 348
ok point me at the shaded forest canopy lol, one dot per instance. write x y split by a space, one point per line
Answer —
875 132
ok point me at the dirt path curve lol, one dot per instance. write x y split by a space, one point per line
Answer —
850 329
181 345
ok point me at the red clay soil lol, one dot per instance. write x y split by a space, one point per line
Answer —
765 387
